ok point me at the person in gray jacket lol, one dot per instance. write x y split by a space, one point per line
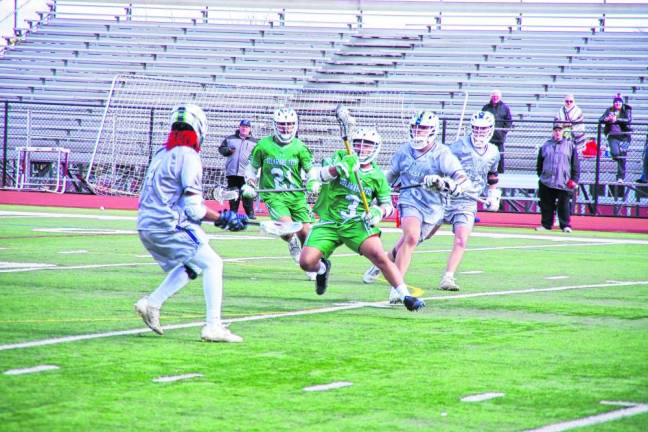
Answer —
558 168
237 148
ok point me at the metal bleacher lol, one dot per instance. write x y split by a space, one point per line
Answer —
67 57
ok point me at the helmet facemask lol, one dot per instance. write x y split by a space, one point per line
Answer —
483 127
424 126
366 144
284 124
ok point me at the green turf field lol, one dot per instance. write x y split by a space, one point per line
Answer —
555 354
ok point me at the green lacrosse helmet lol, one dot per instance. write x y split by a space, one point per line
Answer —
189 115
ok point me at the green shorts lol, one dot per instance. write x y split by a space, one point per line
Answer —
294 206
327 236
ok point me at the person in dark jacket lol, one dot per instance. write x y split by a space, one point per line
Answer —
558 168
237 148
503 122
617 120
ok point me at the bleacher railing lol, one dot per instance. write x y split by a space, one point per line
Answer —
75 126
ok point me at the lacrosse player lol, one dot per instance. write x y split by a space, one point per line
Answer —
341 222
171 208
479 158
280 159
420 161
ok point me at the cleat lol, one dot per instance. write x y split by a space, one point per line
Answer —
150 315
448 284
371 275
321 280
412 303
540 228
312 276
567 230
294 247
219 334
394 297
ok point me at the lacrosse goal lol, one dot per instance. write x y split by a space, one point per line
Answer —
42 168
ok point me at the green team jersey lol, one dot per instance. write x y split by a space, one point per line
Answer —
281 165
339 200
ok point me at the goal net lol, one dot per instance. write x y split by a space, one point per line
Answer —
42 168
136 123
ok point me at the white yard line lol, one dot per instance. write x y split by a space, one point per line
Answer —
481 397
341 307
34 369
173 378
325 387
592 420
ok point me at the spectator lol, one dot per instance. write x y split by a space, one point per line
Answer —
644 166
572 120
558 168
618 119
503 122
237 148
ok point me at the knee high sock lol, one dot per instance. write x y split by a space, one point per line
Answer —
175 280
212 272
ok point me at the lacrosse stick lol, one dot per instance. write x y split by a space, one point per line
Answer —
467 195
277 228
235 194
346 121
221 195
463 110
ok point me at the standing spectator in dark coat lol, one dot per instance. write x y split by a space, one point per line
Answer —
558 168
618 119
503 122
237 148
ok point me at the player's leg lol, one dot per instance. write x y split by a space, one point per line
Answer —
320 244
300 211
411 227
462 225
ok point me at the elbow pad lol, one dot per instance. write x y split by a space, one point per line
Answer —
194 207
492 178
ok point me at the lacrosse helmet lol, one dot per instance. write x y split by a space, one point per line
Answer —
366 143
482 124
284 124
424 126
189 115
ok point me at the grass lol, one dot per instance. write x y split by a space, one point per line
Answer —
555 355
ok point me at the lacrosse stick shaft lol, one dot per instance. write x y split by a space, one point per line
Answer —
282 190
467 195
343 116
463 111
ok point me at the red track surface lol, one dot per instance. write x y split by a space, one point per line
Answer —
519 220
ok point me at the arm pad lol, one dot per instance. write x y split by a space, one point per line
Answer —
492 178
194 207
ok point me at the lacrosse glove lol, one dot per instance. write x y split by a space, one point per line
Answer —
451 187
231 221
374 216
433 182
494 196
313 186
347 165
248 191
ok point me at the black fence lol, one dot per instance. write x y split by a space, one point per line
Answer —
608 184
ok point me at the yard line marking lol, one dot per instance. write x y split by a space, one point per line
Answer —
592 420
6 266
471 272
619 403
76 267
80 251
35 369
556 277
331 386
5 213
341 307
173 378
86 231
481 397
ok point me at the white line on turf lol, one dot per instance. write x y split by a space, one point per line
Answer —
331 386
173 378
35 369
619 403
556 277
592 420
356 305
471 272
80 251
481 397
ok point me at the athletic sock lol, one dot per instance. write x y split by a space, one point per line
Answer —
402 290
449 274
322 268
175 280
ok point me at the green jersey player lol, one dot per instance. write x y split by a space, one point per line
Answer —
277 162
342 220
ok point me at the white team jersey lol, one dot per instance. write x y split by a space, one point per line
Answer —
477 167
170 174
412 166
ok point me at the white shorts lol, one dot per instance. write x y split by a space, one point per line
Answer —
173 248
405 210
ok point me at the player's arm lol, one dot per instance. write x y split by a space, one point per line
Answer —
340 166
384 208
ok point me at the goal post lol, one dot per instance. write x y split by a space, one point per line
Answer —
136 123
42 168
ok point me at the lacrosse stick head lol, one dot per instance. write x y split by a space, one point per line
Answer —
279 228
345 119
221 195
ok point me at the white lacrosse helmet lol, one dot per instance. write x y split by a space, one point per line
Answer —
284 124
366 143
190 115
483 127
424 126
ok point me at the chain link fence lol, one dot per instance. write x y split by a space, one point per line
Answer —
75 127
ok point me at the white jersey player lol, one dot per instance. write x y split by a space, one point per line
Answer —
479 158
171 208
420 162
